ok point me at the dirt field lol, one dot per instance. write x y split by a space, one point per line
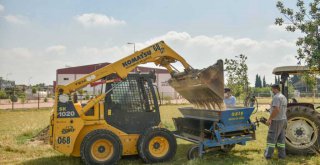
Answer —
17 127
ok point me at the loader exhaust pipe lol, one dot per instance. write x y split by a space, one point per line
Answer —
204 88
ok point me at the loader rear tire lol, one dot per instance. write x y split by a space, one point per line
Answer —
157 145
302 132
101 147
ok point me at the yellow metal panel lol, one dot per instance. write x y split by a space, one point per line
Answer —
101 110
66 131
96 109
129 141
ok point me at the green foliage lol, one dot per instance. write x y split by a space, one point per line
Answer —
310 80
34 90
23 100
45 99
237 73
3 94
264 83
13 98
81 92
306 19
258 82
87 97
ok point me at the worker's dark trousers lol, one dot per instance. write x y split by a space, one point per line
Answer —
276 138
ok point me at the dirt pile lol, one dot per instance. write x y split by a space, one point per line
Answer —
43 136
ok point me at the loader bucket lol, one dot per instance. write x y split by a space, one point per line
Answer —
204 88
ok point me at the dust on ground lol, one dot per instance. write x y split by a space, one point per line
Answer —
41 137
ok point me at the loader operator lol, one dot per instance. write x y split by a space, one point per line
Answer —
277 124
229 100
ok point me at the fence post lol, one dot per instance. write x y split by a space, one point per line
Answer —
38 100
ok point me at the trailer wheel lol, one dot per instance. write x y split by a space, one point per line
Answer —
193 153
302 132
157 145
228 148
101 147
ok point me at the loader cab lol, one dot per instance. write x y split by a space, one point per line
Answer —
132 105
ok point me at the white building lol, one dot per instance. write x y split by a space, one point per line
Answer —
65 76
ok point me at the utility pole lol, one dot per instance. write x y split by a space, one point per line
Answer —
38 100
12 98
134 46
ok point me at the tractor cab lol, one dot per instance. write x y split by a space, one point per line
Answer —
284 72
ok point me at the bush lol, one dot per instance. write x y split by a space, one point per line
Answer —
87 97
45 99
23 100
3 95
13 98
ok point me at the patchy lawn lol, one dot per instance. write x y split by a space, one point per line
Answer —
17 127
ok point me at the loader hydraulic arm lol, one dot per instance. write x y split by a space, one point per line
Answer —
159 53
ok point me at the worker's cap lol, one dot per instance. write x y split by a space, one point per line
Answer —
227 90
275 86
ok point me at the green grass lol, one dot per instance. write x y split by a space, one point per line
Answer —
17 127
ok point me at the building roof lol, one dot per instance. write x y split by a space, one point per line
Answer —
86 69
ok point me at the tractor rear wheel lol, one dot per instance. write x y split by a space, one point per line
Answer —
101 147
157 145
302 132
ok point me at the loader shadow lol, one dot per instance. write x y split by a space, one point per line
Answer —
216 157
54 160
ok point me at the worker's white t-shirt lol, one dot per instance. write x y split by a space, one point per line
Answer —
230 101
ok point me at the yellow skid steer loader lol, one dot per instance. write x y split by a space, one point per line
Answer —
125 119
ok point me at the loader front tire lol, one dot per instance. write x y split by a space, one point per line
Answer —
101 147
157 145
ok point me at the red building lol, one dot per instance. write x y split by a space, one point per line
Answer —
65 76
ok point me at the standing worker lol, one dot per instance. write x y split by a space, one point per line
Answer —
277 124
229 100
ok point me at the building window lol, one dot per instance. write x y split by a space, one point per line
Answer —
65 78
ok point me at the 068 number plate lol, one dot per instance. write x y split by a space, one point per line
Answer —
64 140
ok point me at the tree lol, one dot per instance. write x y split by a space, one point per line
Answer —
3 94
237 73
34 90
307 21
260 82
264 83
256 84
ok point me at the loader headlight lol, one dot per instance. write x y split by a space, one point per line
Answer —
63 98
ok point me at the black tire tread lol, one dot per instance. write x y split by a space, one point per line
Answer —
309 113
87 139
141 143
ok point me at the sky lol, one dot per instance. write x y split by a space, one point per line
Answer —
38 37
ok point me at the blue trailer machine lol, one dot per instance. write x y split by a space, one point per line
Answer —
214 130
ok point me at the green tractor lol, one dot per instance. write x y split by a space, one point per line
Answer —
302 132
